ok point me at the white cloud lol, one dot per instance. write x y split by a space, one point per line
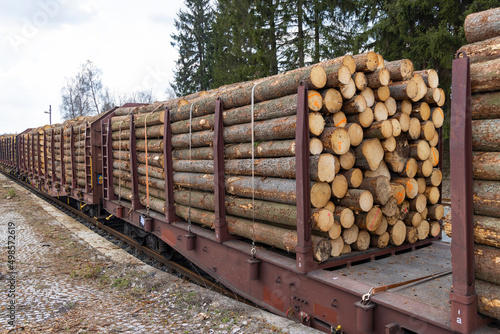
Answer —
128 40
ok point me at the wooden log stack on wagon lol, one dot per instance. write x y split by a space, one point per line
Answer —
483 33
373 155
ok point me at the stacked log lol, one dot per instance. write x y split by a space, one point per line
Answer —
483 32
373 157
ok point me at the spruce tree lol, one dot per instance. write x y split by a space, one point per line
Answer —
194 42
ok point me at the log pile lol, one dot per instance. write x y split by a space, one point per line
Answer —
483 33
373 155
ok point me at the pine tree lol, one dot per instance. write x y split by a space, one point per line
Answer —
194 42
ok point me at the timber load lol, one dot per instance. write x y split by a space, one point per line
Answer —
373 155
483 33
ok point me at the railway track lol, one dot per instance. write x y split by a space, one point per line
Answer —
183 271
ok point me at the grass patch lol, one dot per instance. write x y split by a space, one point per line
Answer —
11 193
88 271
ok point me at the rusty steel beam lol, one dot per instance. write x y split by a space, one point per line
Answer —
167 168
304 249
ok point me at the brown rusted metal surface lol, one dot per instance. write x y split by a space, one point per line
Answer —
220 224
73 162
304 250
167 169
462 296
136 204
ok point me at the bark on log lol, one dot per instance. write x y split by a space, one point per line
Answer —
267 89
396 160
366 62
382 93
380 241
485 76
337 74
482 25
274 129
486 263
359 80
390 208
354 177
485 135
485 105
404 90
400 70
421 111
335 139
379 187
381 77
419 150
268 189
267 234
419 203
380 130
486 197
486 166
381 170
482 50
154 159
354 105
280 107
411 234
488 298
357 199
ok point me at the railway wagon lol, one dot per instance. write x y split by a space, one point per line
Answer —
8 151
340 294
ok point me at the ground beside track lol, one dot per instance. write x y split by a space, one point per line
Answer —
69 280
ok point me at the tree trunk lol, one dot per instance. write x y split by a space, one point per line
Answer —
486 263
379 187
382 93
274 129
487 231
396 160
390 208
486 105
380 241
381 77
357 199
421 111
337 246
344 215
380 130
369 221
359 80
369 154
154 145
354 177
354 105
363 241
366 62
332 100
404 90
337 74
267 234
485 76
280 107
154 159
419 203
482 25
380 112
266 89
335 139
400 70
123 122
397 233
486 195
420 150
276 213
367 93
485 135
488 301
350 235
365 118
322 167
339 186
430 76
267 189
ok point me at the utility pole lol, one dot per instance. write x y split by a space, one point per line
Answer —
50 114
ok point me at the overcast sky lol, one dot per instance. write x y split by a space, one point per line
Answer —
43 42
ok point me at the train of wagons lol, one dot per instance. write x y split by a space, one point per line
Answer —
73 161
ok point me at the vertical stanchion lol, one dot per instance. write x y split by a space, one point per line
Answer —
52 156
136 204
73 160
46 168
304 250
463 297
109 161
220 224
167 168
